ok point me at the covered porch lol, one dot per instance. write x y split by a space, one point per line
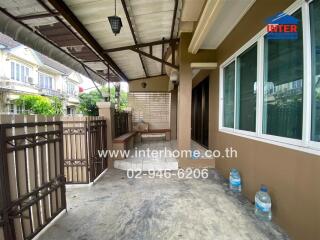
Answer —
159 208
202 76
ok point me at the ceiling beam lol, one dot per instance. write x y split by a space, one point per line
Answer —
141 45
155 58
141 78
63 9
66 28
36 16
203 65
133 34
92 61
174 18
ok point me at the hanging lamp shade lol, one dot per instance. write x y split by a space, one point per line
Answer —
115 23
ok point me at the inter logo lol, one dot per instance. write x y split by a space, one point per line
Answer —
282 27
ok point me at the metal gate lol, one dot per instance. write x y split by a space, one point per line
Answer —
32 183
120 123
83 138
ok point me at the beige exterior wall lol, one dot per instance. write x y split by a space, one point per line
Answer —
291 175
154 84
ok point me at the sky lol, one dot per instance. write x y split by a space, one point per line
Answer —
88 85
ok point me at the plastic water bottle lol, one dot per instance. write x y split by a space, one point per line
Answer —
235 180
263 204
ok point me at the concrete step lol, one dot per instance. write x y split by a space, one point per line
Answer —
146 165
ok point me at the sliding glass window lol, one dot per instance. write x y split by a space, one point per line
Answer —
246 83
283 86
228 95
315 47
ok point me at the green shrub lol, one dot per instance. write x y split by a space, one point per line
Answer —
35 104
88 101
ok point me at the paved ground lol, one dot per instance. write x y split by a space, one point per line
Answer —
146 209
147 163
159 162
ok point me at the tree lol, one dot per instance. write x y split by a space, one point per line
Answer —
35 104
57 106
88 101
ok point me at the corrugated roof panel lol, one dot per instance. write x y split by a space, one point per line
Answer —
22 7
151 21
94 16
154 67
129 62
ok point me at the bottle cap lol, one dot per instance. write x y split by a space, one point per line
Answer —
264 188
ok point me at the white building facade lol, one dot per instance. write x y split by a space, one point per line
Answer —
24 71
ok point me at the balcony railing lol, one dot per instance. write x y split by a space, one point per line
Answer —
12 84
52 93
9 84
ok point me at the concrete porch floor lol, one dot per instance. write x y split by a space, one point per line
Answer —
149 163
120 208
155 163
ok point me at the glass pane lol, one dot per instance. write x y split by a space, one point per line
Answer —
283 86
11 108
46 82
41 77
22 74
50 83
228 95
17 72
246 89
315 44
12 70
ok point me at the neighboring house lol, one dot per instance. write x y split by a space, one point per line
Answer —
25 71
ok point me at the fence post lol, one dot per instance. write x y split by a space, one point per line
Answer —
106 110
129 111
8 227
63 178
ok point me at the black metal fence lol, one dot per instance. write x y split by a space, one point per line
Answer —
32 182
83 138
120 123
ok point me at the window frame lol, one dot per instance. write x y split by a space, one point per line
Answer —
305 144
236 120
234 95
13 72
71 86
312 143
46 83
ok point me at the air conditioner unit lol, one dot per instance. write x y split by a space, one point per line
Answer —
7 101
31 80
